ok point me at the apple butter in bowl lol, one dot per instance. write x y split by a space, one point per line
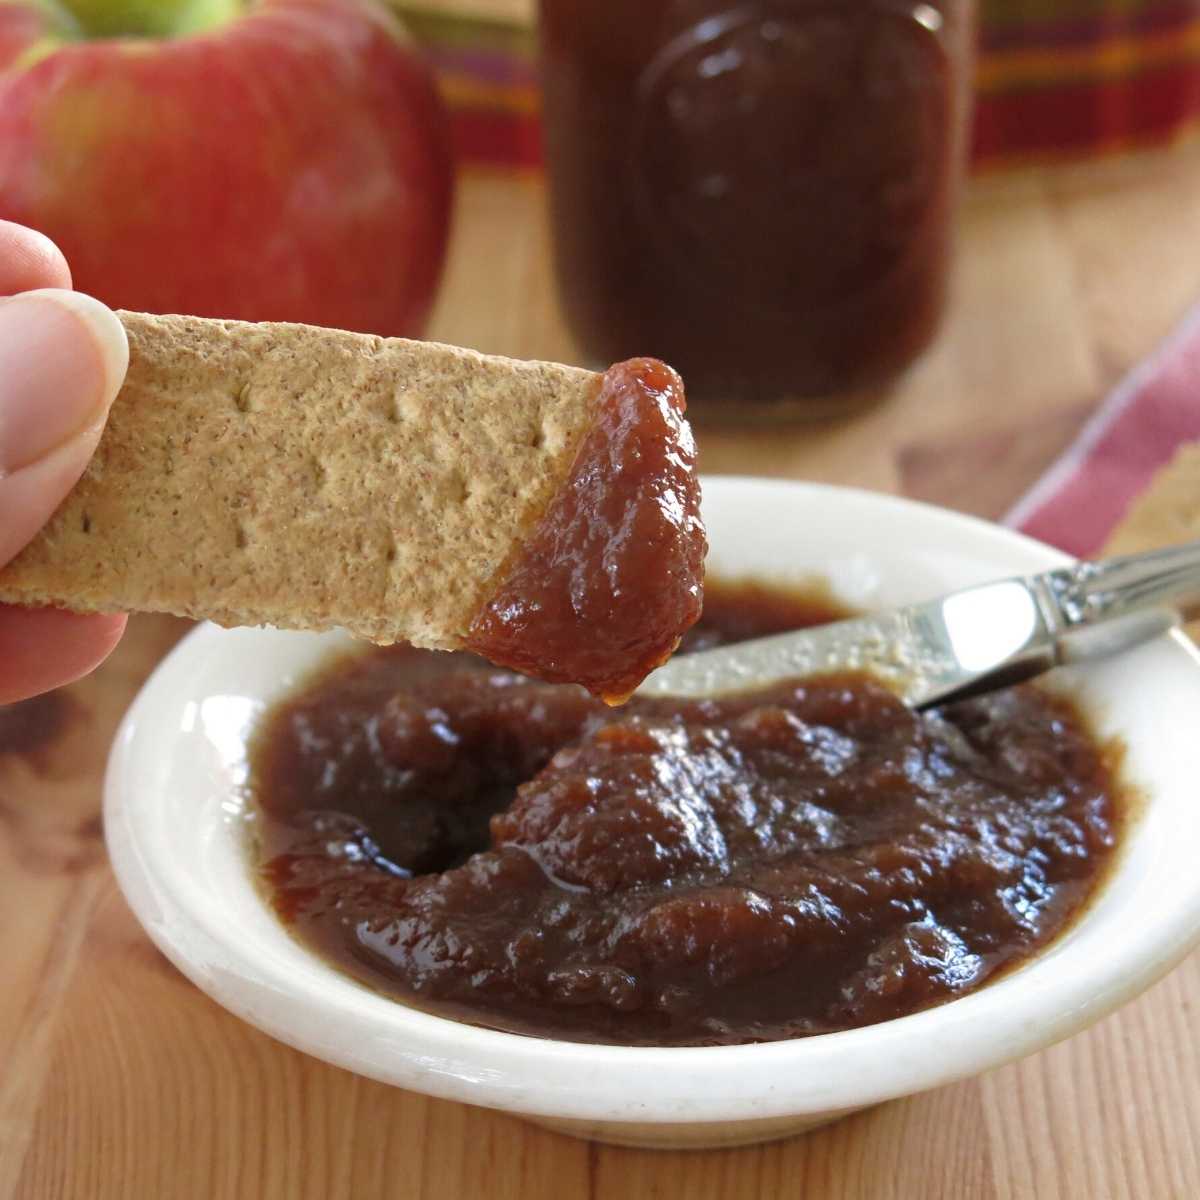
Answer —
798 860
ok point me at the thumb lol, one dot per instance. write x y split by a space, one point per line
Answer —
62 360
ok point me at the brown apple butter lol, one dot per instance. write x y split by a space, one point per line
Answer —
806 858
611 578
760 192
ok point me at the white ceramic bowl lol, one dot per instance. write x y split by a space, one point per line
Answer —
175 800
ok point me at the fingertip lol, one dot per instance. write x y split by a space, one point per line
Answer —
62 359
103 328
45 648
29 259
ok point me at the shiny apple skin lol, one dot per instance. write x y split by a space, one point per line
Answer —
292 165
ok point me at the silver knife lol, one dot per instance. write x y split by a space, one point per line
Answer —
971 641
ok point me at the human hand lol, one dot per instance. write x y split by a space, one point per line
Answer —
62 359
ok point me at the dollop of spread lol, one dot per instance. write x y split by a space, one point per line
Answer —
801 859
612 576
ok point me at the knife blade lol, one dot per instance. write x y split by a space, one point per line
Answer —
970 641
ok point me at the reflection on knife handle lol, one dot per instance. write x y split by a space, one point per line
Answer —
1094 609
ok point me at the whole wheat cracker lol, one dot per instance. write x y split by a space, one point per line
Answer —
308 478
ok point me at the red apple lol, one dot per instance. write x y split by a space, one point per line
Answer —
262 159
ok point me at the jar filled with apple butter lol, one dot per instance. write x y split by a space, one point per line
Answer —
762 194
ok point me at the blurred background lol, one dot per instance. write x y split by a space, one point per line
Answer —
1078 247
899 244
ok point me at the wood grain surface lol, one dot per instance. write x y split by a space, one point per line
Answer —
120 1080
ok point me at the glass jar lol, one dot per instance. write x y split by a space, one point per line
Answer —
762 194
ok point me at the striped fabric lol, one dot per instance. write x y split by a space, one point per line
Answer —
1078 502
1056 79
1062 79
488 76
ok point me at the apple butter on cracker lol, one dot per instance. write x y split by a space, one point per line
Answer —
544 516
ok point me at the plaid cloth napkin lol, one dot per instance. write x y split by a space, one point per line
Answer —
1055 80
1137 430
1065 79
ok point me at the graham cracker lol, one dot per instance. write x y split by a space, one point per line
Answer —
308 478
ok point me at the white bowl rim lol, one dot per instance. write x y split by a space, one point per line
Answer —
650 1085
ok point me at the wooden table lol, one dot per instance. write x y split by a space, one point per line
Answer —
120 1080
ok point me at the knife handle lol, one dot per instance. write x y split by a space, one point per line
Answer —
1097 608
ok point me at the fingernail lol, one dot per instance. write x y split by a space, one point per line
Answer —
62 359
